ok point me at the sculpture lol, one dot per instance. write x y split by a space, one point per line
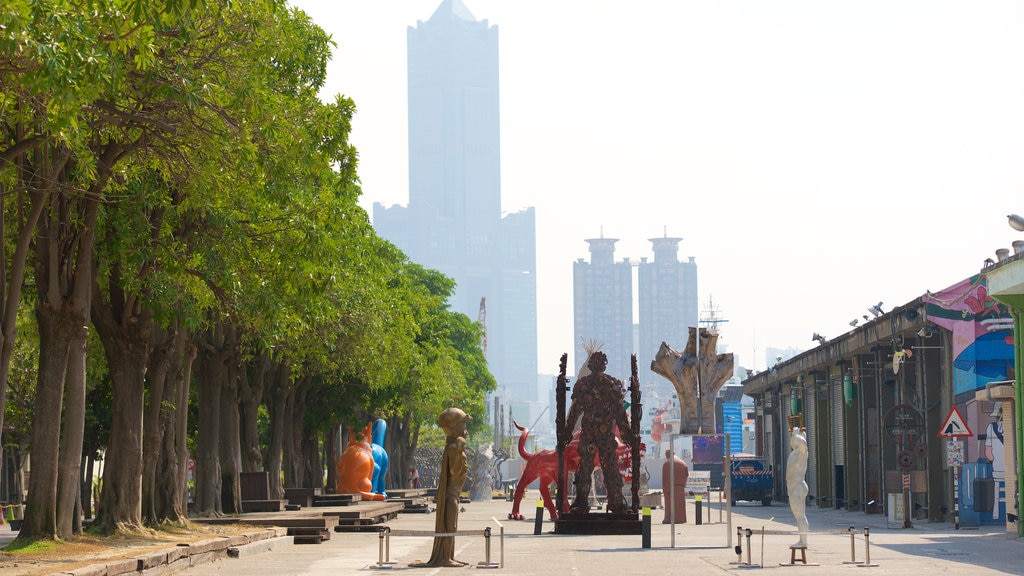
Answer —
685 369
676 490
454 469
796 485
543 465
597 401
380 457
355 466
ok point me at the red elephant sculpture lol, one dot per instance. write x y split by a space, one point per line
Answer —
355 467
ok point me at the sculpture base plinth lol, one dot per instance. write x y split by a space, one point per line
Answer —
599 523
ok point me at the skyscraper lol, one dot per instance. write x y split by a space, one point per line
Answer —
668 302
603 307
453 222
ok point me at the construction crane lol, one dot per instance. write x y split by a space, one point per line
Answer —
482 319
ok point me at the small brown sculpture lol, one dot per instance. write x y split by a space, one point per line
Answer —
454 469
597 401
675 494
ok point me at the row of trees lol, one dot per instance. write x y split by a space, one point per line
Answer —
173 188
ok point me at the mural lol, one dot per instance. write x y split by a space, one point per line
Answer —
982 348
982 332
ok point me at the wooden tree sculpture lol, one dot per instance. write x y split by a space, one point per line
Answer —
683 370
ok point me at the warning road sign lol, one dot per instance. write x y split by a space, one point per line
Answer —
954 426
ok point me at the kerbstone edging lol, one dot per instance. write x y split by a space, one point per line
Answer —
185 555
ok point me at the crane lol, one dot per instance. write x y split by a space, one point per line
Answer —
482 319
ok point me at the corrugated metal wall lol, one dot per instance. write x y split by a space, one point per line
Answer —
810 422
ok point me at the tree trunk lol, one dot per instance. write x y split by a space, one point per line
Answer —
250 393
216 350
41 504
207 476
159 365
312 467
181 421
295 412
69 465
121 497
332 449
85 484
229 443
278 394
36 179
160 489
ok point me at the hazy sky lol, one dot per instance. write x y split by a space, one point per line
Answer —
816 157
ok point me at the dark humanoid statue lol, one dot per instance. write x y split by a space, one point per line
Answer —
598 402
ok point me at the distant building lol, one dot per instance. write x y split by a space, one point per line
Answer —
668 302
603 307
453 222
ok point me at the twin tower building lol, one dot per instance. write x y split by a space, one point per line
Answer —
454 223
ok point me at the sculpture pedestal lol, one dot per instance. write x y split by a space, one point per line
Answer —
599 523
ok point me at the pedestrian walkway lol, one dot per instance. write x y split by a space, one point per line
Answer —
693 549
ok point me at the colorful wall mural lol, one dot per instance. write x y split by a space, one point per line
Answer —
982 348
982 332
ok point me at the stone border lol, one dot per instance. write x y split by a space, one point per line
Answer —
182 556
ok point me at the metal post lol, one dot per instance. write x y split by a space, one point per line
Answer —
645 537
380 549
739 545
699 498
867 549
749 532
853 548
487 549
538 522
956 497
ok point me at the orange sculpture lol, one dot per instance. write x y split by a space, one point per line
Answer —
355 467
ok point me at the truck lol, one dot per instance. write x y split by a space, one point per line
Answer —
751 479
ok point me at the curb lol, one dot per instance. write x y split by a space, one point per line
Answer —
182 556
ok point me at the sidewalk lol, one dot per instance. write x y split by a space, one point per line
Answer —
699 550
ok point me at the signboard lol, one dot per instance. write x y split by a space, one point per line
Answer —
699 482
904 424
897 507
954 453
954 426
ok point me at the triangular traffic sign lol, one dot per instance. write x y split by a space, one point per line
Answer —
954 426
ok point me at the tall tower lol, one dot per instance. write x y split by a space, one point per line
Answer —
667 303
453 222
603 306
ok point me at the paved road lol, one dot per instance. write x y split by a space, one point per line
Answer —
699 550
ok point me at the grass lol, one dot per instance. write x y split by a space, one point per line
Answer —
22 547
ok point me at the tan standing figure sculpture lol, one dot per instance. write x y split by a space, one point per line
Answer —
674 466
454 469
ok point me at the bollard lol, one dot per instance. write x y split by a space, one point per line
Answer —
739 545
382 559
487 550
867 550
538 522
699 498
853 546
645 539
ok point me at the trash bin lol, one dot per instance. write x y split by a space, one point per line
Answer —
984 494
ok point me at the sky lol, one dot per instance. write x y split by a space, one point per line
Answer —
816 157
